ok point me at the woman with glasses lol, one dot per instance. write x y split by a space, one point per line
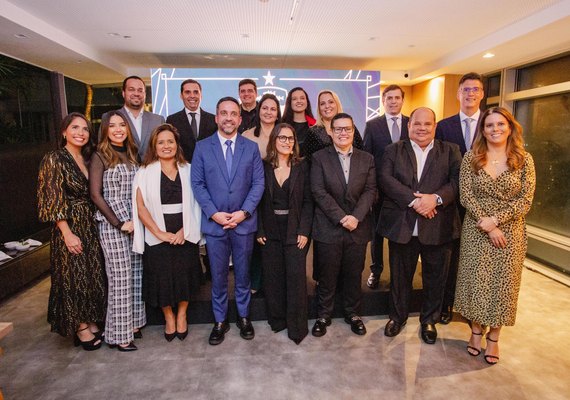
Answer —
320 135
299 115
285 219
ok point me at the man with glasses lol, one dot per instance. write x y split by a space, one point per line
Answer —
343 182
460 129
381 131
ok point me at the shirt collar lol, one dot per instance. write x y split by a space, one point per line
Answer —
131 114
223 139
348 153
188 111
415 146
390 116
463 116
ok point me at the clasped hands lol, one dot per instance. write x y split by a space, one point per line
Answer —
497 237
172 238
229 220
349 222
425 204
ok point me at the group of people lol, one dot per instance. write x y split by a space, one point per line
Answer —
256 187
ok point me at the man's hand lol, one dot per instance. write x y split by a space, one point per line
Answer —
349 222
235 219
425 204
221 218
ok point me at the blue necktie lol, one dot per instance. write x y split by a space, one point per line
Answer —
229 156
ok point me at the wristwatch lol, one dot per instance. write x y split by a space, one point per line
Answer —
439 200
246 213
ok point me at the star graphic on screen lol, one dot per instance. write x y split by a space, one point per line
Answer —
269 78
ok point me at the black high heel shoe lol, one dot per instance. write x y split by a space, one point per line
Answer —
170 336
474 351
489 359
89 345
129 347
182 335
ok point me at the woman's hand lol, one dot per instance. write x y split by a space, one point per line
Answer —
178 237
73 243
486 224
128 227
497 238
262 240
302 241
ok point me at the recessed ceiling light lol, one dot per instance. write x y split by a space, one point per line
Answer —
113 34
21 36
264 1
372 38
411 46
245 35
127 37
488 55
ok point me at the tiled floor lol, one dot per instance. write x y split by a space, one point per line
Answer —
535 360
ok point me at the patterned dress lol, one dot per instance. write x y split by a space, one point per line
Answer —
77 280
489 278
125 307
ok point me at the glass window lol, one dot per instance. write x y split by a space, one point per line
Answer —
493 85
546 124
26 114
544 74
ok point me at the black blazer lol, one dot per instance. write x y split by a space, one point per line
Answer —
334 198
377 137
187 140
300 219
450 130
398 176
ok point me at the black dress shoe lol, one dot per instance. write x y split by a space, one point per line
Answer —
393 328
138 334
245 328
218 333
429 333
130 347
320 327
446 315
356 325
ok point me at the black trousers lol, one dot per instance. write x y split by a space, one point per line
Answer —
377 246
285 287
343 261
403 262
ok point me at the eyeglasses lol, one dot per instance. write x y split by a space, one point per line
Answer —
285 139
474 90
347 129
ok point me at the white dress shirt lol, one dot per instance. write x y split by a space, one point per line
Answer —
421 157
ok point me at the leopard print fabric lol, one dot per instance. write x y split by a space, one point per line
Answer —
489 278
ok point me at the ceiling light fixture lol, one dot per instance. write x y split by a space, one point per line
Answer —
21 36
294 9
245 35
488 55
113 34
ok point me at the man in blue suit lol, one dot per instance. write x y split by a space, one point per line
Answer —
228 183
460 129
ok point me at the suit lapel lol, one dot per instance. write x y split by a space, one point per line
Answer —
412 156
337 167
295 169
219 155
238 153
269 173
133 129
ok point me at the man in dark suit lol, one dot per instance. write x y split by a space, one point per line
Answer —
248 96
460 129
228 182
420 182
141 122
381 131
343 183
192 122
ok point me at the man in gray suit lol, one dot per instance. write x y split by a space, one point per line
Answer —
141 122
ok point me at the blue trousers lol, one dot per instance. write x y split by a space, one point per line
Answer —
219 250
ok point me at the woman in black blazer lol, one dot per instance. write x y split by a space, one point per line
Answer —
285 218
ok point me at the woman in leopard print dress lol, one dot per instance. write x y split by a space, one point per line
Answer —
497 184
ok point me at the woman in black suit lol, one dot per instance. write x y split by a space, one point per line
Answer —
285 220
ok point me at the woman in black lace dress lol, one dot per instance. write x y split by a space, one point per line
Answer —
77 295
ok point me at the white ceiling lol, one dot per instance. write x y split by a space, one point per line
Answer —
421 38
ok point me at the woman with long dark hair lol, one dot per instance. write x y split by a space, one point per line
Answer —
299 114
167 229
77 295
267 116
497 184
285 220
111 173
